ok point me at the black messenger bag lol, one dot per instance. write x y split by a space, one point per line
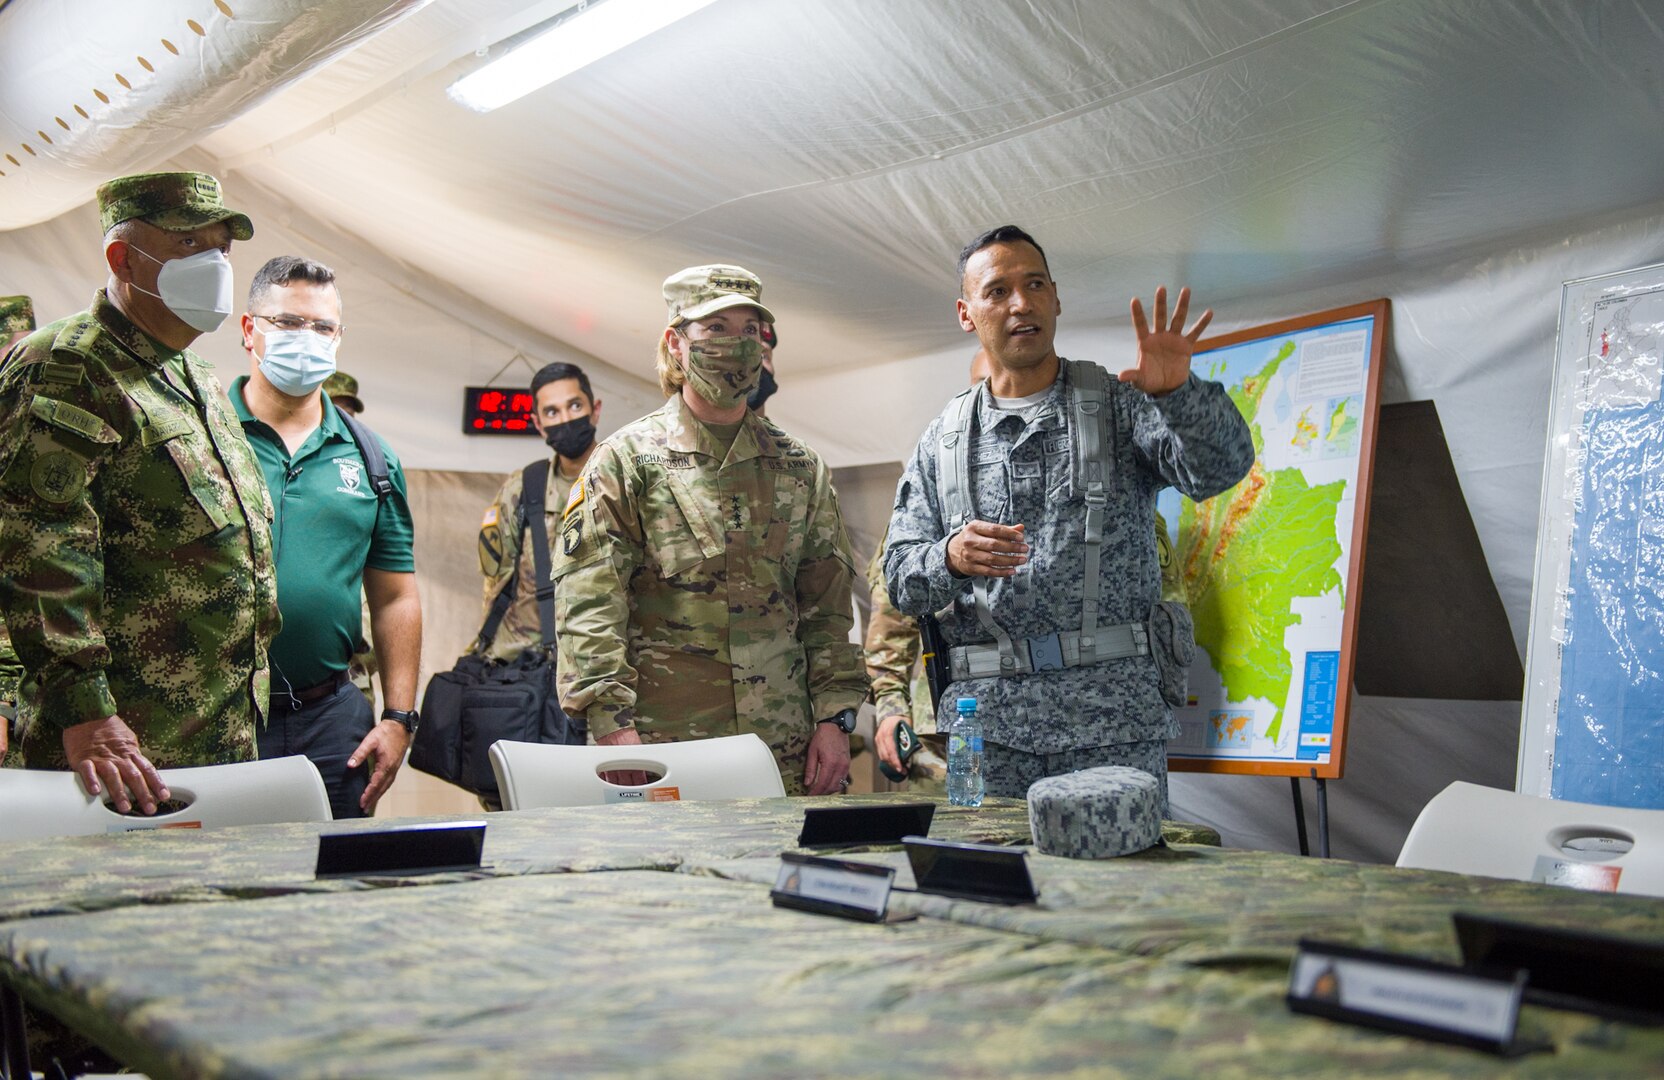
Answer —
480 701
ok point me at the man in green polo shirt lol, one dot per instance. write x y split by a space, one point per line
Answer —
332 533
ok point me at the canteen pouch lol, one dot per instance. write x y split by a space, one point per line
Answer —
479 702
1173 645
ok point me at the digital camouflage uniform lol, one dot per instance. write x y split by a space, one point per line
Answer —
699 595
135 550
505 546
17 316
893 649
1193 439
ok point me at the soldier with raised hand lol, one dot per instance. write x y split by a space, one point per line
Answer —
703 575
136 568
1026 520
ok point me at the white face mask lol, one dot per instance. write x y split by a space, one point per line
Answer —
197 288
298 361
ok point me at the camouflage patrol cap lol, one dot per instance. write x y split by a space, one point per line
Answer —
699 291
177 202
341 387
17 315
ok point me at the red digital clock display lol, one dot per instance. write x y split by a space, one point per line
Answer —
497 410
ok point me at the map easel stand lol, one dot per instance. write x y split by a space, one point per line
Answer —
1322 815
1272 568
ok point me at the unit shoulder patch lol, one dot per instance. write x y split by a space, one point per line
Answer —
58 476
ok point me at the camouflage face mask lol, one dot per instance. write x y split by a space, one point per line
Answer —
723 370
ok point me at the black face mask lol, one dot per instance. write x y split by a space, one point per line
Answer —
766 386
572 438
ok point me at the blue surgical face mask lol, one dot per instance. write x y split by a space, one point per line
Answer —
298 361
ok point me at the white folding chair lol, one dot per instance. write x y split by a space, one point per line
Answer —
1471 829
541 774
35 803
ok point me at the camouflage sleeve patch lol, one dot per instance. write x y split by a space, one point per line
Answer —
73 419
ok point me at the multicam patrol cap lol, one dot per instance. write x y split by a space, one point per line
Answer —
343 389
177 202
17 315
699 291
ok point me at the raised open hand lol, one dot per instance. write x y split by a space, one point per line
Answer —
1164 351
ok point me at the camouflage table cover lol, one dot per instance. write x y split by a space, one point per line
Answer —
1212 906
65 875
91 873
645 973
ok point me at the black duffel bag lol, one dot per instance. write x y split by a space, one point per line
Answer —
480 701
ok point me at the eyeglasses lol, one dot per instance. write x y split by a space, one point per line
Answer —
322 327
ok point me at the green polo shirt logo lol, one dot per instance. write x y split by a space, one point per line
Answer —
352 479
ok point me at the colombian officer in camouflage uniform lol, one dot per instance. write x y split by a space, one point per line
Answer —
1066 676
703 576
135 550
564 411
17 321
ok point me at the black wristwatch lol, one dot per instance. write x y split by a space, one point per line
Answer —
406 718
845 721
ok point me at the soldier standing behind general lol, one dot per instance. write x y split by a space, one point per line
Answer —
136 571
1028 513
703 583
564 411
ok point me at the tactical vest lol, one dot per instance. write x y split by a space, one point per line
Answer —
1092 466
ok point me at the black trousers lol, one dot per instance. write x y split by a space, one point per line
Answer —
327 731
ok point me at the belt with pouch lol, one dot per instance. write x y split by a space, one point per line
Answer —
1052 652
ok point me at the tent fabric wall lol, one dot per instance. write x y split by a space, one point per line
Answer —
1280 156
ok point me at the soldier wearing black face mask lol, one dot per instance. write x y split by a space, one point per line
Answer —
766 386
565 413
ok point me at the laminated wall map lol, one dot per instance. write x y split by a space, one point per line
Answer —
1270 568
1592 723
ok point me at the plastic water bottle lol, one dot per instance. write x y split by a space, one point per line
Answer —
965 756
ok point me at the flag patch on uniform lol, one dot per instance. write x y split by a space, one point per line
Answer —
574 500
490 516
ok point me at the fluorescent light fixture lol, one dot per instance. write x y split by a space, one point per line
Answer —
578 37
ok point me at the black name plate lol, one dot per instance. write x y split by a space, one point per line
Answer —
408 849
846 826
984 872
1621 978
1410 996
851 890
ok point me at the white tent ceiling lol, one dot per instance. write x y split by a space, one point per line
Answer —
844 149
1278 156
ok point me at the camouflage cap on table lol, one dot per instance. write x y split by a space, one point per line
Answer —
1095 813
177 202
699 291
17 315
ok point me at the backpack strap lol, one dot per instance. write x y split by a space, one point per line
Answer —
953 459
1089 412
953 470
534 482
369 448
